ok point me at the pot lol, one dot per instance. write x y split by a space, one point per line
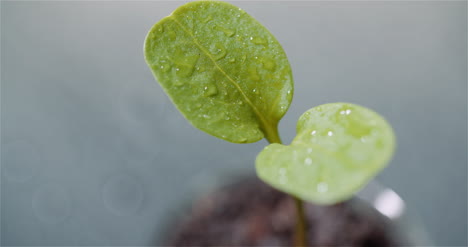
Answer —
240 210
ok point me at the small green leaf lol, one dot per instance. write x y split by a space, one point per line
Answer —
339 147
223 70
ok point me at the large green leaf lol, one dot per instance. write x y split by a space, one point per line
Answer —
223 70
338 148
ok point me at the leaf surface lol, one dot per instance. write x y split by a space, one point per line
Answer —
223 70
339 147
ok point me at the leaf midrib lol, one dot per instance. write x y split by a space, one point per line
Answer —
260 116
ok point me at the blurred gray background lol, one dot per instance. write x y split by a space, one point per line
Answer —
93 153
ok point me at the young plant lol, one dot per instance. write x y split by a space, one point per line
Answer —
229 76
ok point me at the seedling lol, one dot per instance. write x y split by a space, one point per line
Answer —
230 77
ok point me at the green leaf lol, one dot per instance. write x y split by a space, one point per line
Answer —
339 147
223 70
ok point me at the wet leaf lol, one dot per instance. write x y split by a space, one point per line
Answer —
339 147
223 70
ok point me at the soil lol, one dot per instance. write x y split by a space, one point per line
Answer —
251 213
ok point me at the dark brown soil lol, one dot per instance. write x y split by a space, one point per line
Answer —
250 213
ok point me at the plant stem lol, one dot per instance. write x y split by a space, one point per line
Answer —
300 238
271 134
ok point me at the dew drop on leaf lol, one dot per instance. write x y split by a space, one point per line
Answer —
178 83
268 64
322 187
258 40
211 90
228 32
253 73
186 65
207 19
220 51
172 35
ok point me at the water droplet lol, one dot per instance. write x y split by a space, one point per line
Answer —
161 29
255 91
283 179
51 203
186 65
282 171
206 116
348 112
210 90
220 51
253 73
330 133
164 65
227 118
232 60
178 83
309 150
172 35
258 40
207 19
20 160
308 161
123 194
313 132
269 64
240 102
322 187
289 92
228 32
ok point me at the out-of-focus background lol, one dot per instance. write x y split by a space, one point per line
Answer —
93 153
